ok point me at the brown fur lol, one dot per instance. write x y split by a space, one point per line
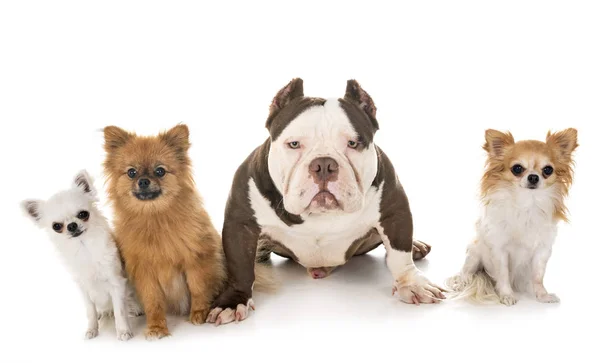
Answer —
172 252
503 151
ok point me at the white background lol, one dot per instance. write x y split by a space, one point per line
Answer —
440 74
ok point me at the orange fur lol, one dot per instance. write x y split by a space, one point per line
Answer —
503 152
172 252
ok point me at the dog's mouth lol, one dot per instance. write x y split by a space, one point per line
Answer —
325 200
77 233
147 195
532 187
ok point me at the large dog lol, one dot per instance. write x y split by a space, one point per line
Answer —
318 191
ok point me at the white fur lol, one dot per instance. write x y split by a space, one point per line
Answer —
515 234
92 257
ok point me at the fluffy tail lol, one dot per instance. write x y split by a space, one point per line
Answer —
479 288
265 279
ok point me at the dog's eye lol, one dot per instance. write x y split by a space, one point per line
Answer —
517 169
131 173
352 144
160 172
83 215
294 144
548 170
57 227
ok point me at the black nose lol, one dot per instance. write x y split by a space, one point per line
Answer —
144 183
72 227
533 179
323 169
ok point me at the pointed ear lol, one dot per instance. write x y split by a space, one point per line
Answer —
114 138
32 208
84 182
564 141
292 90
355 93
496 142
178 138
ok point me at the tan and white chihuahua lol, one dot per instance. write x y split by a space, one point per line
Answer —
523 194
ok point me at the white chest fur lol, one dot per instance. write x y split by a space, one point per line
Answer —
321 240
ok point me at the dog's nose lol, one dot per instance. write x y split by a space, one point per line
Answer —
144 183
72 227
533 179
323 169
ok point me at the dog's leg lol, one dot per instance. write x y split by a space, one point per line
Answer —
92 316
153 301
118 295
540 260
204 279
501 274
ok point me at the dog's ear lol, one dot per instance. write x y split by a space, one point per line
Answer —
292 90
360 97
564 141
32 208
84 182
178 138
114 138
496 142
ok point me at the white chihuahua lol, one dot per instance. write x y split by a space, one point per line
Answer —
84 239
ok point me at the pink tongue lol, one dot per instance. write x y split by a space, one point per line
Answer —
318 273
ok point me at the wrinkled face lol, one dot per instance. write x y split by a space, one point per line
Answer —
530 165
322 158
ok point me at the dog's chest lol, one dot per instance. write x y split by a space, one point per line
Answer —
321 240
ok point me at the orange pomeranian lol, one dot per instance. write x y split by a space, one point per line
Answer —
172 252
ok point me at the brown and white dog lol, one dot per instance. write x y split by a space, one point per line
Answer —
318 191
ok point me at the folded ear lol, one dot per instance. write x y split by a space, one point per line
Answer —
85 183
292 90
178 138
114 138
496 142
355 93
32 208
565 141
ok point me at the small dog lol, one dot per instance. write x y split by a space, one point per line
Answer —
172 252
83 238
523 191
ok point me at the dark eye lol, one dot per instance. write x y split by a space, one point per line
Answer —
83 215
57 227
160 172
294 144
517 169
548 170
352 144
131 173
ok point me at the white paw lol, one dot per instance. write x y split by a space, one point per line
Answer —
219 316
91 333
508 300
417 289
548 298
124 335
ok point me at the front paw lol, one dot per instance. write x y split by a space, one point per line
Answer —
91 333
508 300
124 335
548 298
198 317
231 306
414 288
156 332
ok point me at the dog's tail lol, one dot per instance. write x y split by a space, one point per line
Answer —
479 289
265 279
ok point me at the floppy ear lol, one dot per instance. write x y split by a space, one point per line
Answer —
496 142
32 208
357 95
565 141
292 90
178 138
114 138
84 182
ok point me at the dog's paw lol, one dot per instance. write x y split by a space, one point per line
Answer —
91 333
548 298
417 289
319 272
219 316
508 300
124 335
199 317
156 332
420 250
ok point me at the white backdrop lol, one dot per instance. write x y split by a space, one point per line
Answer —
440 74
